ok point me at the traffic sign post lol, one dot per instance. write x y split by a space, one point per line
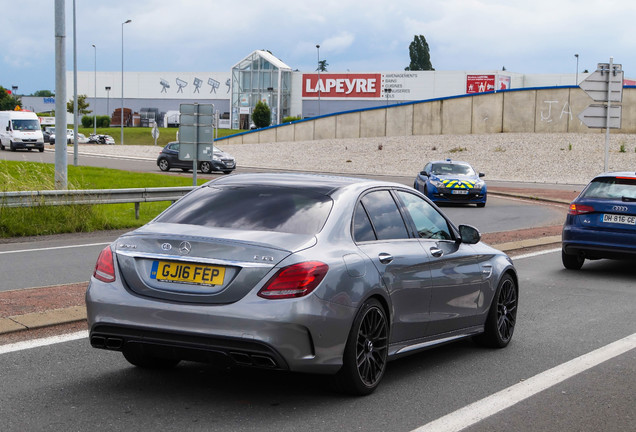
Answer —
595 116
604 85
196 134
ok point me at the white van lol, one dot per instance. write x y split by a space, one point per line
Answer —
20 130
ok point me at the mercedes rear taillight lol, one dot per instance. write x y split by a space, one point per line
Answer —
105 267
296 280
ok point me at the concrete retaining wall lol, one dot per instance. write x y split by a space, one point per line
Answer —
541 110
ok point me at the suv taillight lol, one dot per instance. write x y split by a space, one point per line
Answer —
577 209
105 267
296 280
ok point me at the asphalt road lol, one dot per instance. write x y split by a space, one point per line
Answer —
563 315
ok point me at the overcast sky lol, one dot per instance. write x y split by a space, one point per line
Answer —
537 36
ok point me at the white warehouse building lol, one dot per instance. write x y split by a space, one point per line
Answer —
262 77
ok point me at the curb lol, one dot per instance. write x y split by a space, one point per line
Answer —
36 320
530 197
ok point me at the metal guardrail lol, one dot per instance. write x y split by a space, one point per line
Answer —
93 196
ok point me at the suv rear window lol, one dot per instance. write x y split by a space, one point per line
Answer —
611 188
260 208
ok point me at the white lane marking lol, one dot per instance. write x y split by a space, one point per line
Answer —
36 343
534 254
493 404
54 248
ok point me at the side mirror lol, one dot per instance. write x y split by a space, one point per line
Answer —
469 234
7 128
424 173
482 175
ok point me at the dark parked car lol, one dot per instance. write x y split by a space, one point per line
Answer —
169 158
601 222
299 272
450 181
47 132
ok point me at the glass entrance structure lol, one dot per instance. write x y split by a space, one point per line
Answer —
260 77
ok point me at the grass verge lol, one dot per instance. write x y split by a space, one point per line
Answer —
143 136
43 220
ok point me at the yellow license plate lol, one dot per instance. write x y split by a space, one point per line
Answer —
197 274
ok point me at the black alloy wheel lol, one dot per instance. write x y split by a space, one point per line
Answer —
502 316
365 356
507 310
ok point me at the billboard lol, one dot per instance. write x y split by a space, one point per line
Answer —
480 83
333 85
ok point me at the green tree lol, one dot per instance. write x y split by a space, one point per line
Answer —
322 66
82 105
43 93
261 116
420 55
8 102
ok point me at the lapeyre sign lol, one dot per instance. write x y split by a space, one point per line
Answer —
342 85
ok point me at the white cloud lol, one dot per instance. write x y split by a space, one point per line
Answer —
195 35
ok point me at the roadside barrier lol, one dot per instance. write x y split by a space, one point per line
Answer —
93 196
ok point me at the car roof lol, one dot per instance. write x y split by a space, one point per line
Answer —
322 183
629 174
450 161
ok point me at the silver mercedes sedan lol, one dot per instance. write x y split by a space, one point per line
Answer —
298 272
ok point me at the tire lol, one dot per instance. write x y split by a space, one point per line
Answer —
138 357
205 167
502 316
227 171
481 205
41 150
11 146
365 355
164 165
572 262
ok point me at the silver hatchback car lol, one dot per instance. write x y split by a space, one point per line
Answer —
299 272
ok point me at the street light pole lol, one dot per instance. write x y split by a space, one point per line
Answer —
75 113
318 48
577 69
121 116
107 88
95 98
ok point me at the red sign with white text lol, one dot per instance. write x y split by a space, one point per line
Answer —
342 85
480 83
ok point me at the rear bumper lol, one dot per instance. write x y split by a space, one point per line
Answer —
596 244
303 335
183 346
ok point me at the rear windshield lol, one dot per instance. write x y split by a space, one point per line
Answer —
261 208
611 188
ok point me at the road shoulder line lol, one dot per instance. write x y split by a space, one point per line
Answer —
493 404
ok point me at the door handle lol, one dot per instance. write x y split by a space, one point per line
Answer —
436 252
385 258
